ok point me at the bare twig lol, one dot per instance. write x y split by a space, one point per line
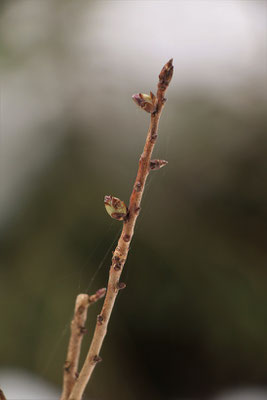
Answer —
77 332
2 396
154 105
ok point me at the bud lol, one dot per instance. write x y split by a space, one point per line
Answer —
145 101
157 164
121 285
165 75
115 207
97 359
98 295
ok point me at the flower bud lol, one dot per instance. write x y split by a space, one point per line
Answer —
145 101
115 207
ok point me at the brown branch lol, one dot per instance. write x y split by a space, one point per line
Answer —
83 301
2 396
154 105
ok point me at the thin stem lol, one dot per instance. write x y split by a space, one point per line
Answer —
121 252
83 301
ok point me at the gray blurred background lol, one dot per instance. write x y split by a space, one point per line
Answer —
192 322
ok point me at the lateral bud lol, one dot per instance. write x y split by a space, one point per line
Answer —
67 365
121 285
145 101
83 330
98 295
99 319
116 262
97 359
115 207
157 164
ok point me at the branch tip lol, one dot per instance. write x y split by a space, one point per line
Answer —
165 77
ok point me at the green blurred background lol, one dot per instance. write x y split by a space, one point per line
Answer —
193 319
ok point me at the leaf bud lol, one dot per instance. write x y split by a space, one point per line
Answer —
115 207
157 164
145 101
165 75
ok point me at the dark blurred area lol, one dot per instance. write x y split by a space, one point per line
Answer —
192 321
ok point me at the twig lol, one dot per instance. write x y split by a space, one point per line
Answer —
2 396
154 105
77 332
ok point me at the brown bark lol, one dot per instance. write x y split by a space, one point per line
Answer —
121 252
77 331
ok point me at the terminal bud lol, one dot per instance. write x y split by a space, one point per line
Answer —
165 75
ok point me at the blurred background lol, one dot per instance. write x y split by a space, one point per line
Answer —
192 323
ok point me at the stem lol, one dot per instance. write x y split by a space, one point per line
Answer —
121 252
77 331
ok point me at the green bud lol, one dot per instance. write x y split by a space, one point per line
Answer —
145 101
115 207
146 97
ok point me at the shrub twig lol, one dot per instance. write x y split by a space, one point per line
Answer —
154 105
83 301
